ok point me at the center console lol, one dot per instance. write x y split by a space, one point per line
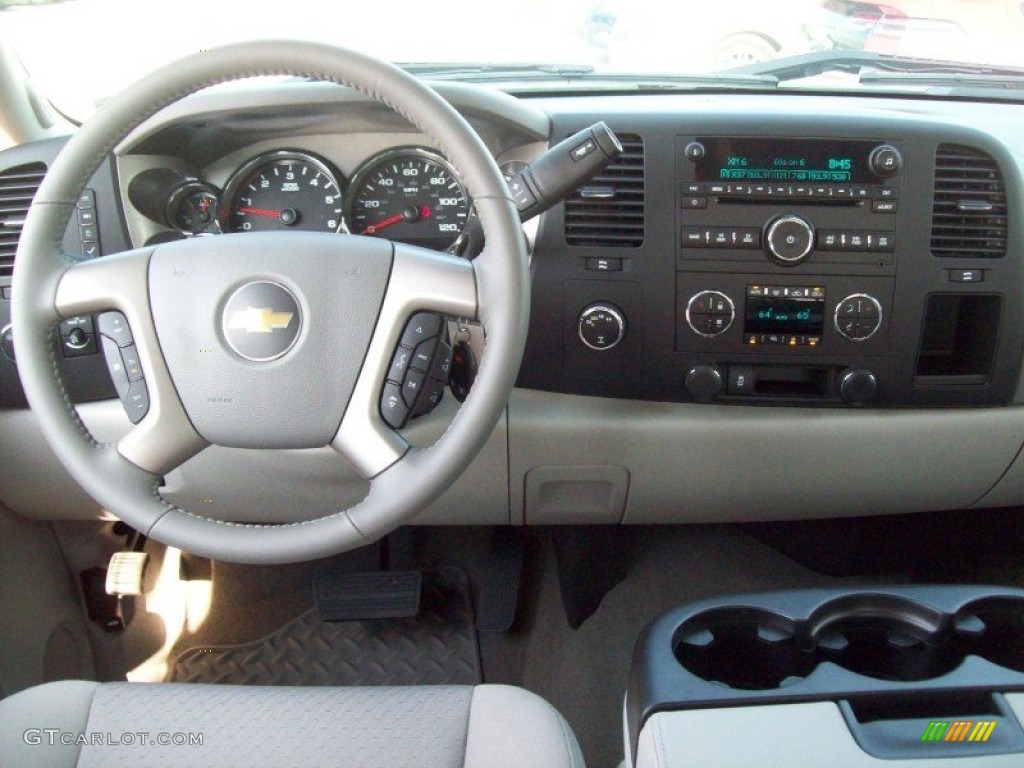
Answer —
893 674
872 263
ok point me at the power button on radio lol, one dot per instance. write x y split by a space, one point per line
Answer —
789 239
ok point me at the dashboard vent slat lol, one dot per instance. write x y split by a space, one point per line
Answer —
969 217
614 220
17 188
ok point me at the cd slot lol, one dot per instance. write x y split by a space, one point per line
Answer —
811 201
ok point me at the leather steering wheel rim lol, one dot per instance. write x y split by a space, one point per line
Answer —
125 477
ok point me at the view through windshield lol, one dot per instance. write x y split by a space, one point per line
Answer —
80 51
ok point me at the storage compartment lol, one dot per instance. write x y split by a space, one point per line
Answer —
894 660
958 339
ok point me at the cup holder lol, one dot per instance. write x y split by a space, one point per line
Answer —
881 636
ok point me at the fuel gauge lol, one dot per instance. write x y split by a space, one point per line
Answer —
193 208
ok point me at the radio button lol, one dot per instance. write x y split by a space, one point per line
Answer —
780 190
857 241
694 201
789 239
688 188
860 192
884 242
720 238
748 237
883 206
694 237
718 189
886 193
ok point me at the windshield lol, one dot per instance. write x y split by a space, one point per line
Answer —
80 51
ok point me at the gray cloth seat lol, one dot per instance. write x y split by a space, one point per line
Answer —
77 723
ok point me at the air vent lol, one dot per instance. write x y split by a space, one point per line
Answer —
609 210
969 209
17 188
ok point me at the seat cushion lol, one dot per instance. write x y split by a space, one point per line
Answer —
130 724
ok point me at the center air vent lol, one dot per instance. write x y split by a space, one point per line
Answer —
17 188
969 208
609 210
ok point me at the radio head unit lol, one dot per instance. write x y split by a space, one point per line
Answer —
785 160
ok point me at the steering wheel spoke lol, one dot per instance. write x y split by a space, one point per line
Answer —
422 283
116 288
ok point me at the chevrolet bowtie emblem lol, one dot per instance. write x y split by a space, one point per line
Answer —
259 320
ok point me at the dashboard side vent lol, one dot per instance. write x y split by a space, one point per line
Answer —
609 210
18 186
969 208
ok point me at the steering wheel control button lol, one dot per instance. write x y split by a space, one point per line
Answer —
132 364
858 317
115 327
261 321
393 409
789 240
419 370
422 326
115 365
78 343
7 342
136 403
399 364
412 386
423 355
601 327
710 313
81 322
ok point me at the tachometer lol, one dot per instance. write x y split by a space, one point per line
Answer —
409 195
284 190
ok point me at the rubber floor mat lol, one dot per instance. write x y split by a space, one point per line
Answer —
439 646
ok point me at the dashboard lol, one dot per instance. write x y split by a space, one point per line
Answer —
819 295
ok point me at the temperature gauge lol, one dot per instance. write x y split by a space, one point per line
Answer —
194 209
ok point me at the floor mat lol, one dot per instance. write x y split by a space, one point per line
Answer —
439 646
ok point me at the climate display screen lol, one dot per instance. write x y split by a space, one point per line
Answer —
785 160
785 315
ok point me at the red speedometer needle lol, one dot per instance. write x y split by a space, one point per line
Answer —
374 228
248 209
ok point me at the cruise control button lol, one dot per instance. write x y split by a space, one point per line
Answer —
132 364
412 387
422 355
87 199
393 409
422 325
136 403
399 364
86 215
114 326
115 365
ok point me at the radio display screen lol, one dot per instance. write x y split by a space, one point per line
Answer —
770 311
785 160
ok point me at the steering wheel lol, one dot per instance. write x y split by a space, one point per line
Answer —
350 296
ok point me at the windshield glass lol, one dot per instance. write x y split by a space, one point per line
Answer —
81 51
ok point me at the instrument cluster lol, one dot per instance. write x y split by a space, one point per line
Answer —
408 194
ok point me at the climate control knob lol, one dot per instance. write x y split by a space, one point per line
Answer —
601 326
857 386
858 317
705 382
789 239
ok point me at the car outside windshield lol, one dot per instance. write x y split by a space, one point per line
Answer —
78 52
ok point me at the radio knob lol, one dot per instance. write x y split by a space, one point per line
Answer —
885 160
601 326
857 386
789 240
705 382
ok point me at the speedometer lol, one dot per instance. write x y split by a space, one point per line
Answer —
409 195
284 190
